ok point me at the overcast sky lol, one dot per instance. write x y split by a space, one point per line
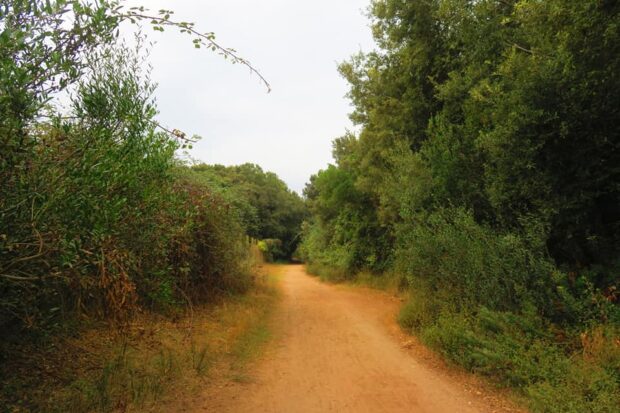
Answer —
296 45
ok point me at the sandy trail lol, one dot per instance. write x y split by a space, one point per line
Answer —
338 349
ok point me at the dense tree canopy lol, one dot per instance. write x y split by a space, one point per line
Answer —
268 208
486 172
504 108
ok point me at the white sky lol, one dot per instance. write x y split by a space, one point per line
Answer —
296 45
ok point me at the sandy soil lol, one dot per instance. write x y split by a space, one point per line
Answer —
338 349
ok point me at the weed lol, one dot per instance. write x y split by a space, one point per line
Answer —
200 359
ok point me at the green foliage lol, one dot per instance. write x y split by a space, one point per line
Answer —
519 350
93 219
97 218
268 209
501 130
271 249
107 224
343 233
460 258
485 171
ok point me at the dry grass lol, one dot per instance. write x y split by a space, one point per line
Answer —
160 362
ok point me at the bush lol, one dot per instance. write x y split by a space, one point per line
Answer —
97 222
271 249
488 303
520 350
331 262
471 263
421 310
211 252
267 208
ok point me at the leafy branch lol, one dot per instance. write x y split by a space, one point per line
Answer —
163 19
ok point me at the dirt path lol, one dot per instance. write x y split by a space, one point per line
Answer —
338 349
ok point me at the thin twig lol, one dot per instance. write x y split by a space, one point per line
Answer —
207 39
18 278
174 132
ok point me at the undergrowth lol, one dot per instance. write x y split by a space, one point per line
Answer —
496 305
153 365
555 369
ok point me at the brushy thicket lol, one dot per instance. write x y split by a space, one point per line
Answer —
479 298
485 176
97 218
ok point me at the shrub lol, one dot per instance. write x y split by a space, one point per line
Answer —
459 258
271 249
490 304
97 221
520 350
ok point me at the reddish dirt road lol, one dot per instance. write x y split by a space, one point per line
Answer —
338 349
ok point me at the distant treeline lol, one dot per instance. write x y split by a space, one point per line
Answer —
268 209
486 174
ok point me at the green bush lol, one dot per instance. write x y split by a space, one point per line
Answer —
331 262
342 236
271 249
100 220
520 350
459 258
211 253
267 208
422 308
488 303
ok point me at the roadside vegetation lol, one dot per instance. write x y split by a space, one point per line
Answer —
112 252
158 363
484 180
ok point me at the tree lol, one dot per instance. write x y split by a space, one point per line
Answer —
269 209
